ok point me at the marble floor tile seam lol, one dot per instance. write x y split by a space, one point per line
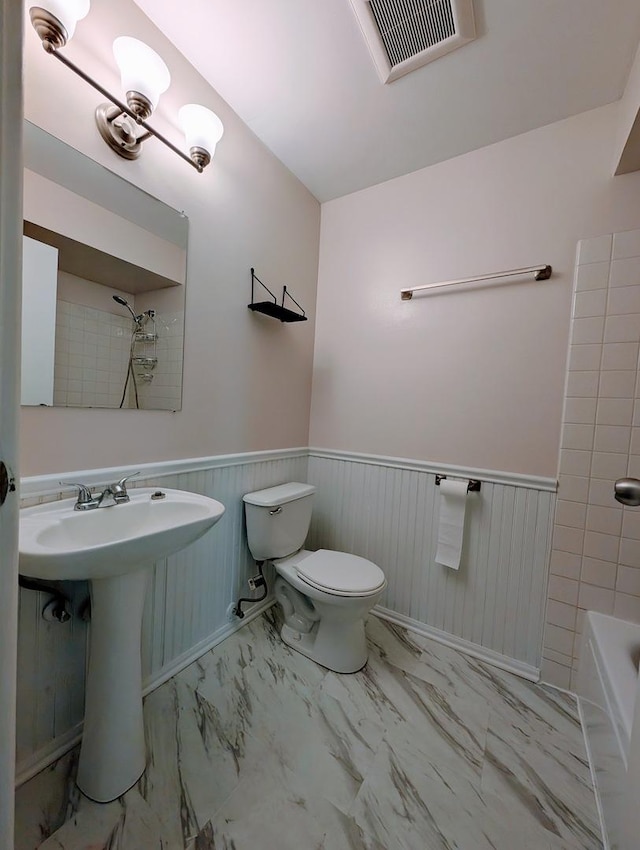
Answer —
542 787
428 659
267 740
276 744
303 801
524 713
426 802
281 657
196 755
258 737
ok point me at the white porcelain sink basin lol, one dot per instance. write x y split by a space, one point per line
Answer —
58 543
114 547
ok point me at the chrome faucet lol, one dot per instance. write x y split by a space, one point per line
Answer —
113 494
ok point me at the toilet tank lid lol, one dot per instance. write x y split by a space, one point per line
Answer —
279 495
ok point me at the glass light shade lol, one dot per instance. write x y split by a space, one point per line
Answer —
202 127
68 12
141 69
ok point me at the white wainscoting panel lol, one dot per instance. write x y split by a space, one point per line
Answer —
385 509
389 514
187 600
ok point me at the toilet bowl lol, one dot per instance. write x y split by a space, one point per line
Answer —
327 623
325 595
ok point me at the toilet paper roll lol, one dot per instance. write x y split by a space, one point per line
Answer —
453 504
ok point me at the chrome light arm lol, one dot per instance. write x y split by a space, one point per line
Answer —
122 107
53 37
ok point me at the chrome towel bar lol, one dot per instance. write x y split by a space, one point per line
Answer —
541 272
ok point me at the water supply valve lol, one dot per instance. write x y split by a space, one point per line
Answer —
256 581
57 608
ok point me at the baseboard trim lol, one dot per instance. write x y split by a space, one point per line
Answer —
178 664
51 752
503 662
61 745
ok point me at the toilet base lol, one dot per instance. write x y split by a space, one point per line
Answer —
343 650
326 627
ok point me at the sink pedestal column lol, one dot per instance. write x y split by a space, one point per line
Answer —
113 755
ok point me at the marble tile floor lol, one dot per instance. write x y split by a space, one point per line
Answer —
255 747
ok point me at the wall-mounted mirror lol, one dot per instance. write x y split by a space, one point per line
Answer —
103 285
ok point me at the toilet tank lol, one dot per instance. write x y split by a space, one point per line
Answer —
278 519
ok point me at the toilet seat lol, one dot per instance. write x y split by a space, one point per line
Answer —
340 574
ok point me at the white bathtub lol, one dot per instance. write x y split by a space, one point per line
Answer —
607 688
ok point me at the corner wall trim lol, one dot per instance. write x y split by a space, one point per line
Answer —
489 656
50 753
178 664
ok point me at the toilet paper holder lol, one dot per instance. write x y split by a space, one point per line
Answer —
472 487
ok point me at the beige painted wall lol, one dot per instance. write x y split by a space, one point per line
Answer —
627 150
52 206
247 378
472 377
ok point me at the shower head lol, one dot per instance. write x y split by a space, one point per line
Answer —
120 300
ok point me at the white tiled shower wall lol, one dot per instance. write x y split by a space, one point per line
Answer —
165 390
92 355
595 558
92 352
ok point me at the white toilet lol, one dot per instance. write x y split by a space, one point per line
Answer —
325 595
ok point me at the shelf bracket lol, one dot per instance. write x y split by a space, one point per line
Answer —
272 308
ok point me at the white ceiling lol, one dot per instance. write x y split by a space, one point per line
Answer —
298 72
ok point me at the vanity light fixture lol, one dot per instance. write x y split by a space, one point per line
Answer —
202 129
144 78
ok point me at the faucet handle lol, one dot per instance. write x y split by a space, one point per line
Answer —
119 490
84 493
121 484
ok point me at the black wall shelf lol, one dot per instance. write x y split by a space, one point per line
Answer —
272 308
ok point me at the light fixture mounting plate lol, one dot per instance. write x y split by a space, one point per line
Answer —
115 132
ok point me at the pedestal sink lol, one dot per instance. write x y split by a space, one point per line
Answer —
114 548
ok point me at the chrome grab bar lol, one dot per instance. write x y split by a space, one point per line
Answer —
542 272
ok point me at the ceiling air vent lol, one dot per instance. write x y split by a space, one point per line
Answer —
403 35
